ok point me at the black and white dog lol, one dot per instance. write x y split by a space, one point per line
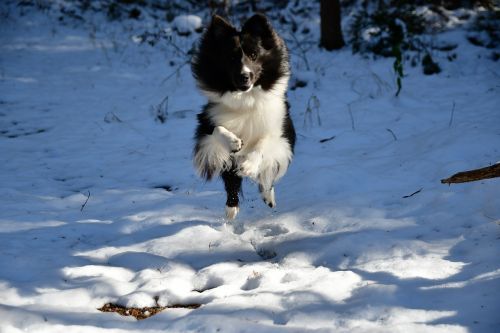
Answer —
245 130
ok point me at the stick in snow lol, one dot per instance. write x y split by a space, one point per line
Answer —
491 171
410 195
327 139
392 133
85 203
451 116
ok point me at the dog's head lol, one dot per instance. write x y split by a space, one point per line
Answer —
229 60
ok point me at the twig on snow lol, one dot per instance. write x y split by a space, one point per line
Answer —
176 71
410 195
85 203
452 113
350 114
302 51
312 103
327 139
392 133
175 46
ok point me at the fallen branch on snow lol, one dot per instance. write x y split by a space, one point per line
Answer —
491 171
416 192
85 203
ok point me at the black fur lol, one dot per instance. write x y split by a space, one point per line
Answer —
232 184
222 44
288 129
205 127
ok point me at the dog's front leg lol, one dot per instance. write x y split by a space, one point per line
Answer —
227 138
213 152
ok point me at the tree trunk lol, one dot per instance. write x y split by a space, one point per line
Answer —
331 31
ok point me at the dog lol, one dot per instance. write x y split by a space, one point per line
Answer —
245 129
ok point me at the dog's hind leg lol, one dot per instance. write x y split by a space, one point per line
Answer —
276 156
267 194
232 183
266 186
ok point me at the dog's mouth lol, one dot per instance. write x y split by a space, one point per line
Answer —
245 88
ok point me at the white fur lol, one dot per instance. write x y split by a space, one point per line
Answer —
231 212
268 196
232 142
249 164
215 150
276 155
256 117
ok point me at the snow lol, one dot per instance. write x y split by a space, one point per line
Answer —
84 220
187 23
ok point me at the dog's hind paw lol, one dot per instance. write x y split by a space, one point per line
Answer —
248 166
268 197
231 212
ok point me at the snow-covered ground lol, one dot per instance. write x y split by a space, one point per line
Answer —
85 218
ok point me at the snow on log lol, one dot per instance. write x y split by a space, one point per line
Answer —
186 24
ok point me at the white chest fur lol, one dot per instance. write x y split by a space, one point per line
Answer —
251 115
256 117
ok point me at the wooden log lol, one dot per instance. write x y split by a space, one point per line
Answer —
491 171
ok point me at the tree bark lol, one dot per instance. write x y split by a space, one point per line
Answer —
474 175
331 30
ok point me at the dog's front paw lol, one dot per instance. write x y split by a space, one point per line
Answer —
248 165
235 144
228 138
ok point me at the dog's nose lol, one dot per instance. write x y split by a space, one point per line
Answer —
245 78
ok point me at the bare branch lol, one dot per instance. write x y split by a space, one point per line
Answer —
174 72
303 52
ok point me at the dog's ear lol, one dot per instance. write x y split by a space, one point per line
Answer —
220 28
259 26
